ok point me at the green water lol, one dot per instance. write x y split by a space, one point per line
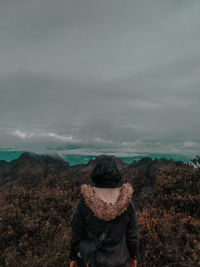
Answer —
10 155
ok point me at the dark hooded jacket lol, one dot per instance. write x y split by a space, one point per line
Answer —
92 213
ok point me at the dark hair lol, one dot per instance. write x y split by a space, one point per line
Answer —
106 173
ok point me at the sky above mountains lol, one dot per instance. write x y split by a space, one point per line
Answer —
123 75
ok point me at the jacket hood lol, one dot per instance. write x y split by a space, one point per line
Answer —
107 206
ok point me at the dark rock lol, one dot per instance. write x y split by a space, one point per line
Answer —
31 168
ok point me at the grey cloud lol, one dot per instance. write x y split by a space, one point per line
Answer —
113 70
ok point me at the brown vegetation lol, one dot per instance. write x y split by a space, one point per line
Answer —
34 220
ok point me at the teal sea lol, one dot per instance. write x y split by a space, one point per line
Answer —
74 159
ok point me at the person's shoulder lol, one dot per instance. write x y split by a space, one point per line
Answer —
83 196
129 192
80 202
131 206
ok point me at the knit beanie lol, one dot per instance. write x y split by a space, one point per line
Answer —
106 173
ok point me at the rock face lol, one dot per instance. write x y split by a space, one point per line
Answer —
32 169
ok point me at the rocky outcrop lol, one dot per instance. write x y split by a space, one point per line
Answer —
31 168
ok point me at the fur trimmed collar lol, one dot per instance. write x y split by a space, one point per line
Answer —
102 209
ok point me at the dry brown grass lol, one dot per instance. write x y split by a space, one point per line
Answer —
34 223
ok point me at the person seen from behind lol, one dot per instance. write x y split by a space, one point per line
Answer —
108 200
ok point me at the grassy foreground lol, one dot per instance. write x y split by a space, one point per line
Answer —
34 222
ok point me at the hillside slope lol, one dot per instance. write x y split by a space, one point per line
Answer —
38 195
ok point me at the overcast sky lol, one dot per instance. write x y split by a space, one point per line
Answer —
104 71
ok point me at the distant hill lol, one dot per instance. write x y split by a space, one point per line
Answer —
31 169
